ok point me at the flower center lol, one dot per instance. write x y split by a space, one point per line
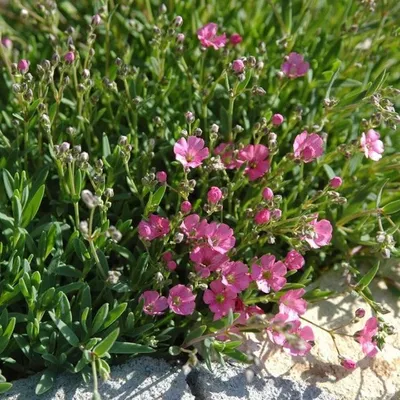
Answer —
220 298
267 275
176 301
230 278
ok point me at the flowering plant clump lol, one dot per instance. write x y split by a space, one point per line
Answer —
170 183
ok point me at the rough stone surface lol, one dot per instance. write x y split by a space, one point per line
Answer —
232 383
140 379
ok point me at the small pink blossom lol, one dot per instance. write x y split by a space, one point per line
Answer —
292 304
308 146
96 20
256 158
171 265
154 304
269 275
207 260
154 228
366 337
186 207
276 214
181 300
262 217
167 256
268 194
235 39
238 66
190 225
220 299
335 182
23 66
348 363
6 42
246 312
190 153
322 233
294 260
225 151
235 275
69 57
161 176
277 119
208 36
214 195
220 237
371 145
295 66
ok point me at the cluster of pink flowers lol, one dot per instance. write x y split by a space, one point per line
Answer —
208 37
154 228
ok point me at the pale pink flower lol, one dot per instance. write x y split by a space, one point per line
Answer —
269 275
190 153
277 119
322 233
238 66
181 300
308 146
161 176
225 151
348 363
295 66
235 275
256 158
186 207
292 304
366 337
277 327
6 42
371 145
207 260
294 260
262 217
219 237
154 228
235 39
208 36
268 194
335 182
276 214
23 66
154 304
214 195
220 299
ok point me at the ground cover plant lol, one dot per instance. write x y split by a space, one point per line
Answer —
176 175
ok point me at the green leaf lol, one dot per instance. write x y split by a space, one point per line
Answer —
238 355
5 386
377 84
32 207
106 343
392 207
114 314
8 183
368 277
99 319
66 331
195 333
130 348
46 381
155 200
106 145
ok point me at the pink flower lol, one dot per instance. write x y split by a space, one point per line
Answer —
181 300
371 145
69 57
207 260
190 225
270 275
167 256
190 153
322 233
23 66
366 337
235 39
278 325
171 265
220 237
262 217
238 66
154 228
208 36
246 312
277 119
225 151
256 158
336 182
295 66
161 176
308 147
154 304
235 275
220 299
6 42
294 260
268 194
186 207
292 304
348 363
214 195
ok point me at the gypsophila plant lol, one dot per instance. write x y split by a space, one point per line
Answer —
174 176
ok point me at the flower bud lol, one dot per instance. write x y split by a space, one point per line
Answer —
238 66
336 182
214 128
6 42
64 147
277 119
214 195
178 237
161 176
96 20
180 37
262 217
178 21
268 194
360 313
186 207
189 116
23 66
235 39
109 192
